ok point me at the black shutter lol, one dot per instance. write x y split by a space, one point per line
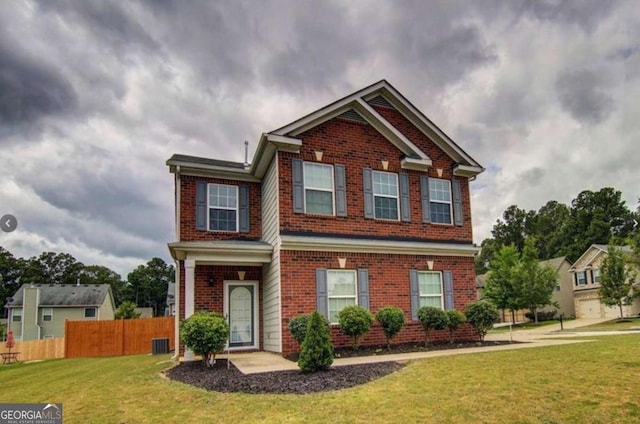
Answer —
298 186
243 209
201 205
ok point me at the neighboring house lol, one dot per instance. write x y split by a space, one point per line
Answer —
563 293
39 311
364 201
170 310
145 312
586 283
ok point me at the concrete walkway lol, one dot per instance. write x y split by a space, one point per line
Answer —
258 362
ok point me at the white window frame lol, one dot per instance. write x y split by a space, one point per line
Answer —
209 207
441 296
450 202
397 196
310 187
16 313
95 312
355 289
49 314
578 278
596 276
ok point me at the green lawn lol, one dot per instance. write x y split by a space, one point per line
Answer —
614 324
582 383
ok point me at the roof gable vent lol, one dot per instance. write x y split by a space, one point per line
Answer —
352 115
380 101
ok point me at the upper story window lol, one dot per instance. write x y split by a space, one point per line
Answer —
47 314
385 195
581 278
596 276
430 285
440 201
16 315
318 188
223 207
89 312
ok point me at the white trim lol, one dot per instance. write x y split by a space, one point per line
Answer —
397 196
189 298
231 252
225 208
450 202
338 244
355 288
256 310
306 187
441 287
43 314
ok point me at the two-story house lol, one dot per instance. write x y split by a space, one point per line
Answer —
364 201
39 311
586 277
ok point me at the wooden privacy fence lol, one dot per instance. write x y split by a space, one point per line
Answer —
31 350
119 337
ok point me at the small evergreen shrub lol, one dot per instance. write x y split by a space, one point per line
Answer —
355 321
316 353
298 327
455 320
391 318
205 333
481 315
127 310
431 318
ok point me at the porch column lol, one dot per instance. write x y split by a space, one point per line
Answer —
189 297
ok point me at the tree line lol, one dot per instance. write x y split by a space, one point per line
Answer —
521 239
145 286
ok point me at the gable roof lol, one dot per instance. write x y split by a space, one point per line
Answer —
379 93
556 263
65 295
597 250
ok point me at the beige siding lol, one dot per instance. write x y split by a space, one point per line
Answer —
271 285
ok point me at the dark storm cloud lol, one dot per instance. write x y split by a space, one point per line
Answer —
585 13
29 90
583 93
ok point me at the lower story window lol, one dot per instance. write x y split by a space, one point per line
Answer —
89 312
430 284
341 291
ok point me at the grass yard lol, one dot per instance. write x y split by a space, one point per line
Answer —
581 383
614 324
524 326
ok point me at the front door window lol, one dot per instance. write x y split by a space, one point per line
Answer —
241 315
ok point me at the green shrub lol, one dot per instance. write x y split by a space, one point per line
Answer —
298 327
205 333
316 353
456 319
542 316
481 315
127 310
355 321
431 318
391 318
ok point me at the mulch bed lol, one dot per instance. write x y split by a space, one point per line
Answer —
220 379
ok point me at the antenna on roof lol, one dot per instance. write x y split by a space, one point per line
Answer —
246 154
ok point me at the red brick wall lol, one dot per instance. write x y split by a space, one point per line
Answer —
188 230
388 285
358 146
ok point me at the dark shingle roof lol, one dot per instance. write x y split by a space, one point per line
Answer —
65 295
204 161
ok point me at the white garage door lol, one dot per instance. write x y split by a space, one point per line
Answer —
591 308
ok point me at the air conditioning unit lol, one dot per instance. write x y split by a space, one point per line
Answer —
159 346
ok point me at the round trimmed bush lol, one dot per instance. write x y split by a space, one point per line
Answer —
355 321
456 319
431 318
205 333
481 315
316 353
298 327
391 318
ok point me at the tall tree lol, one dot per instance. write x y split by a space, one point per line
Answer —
96 274
52 268
616 280
548 226
596 217
534 283
148 284
514 227
9 277
501 288
489 248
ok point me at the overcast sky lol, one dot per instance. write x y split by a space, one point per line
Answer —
95 96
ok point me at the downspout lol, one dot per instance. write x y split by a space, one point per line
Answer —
176 352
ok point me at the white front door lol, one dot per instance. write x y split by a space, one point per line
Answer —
241 308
